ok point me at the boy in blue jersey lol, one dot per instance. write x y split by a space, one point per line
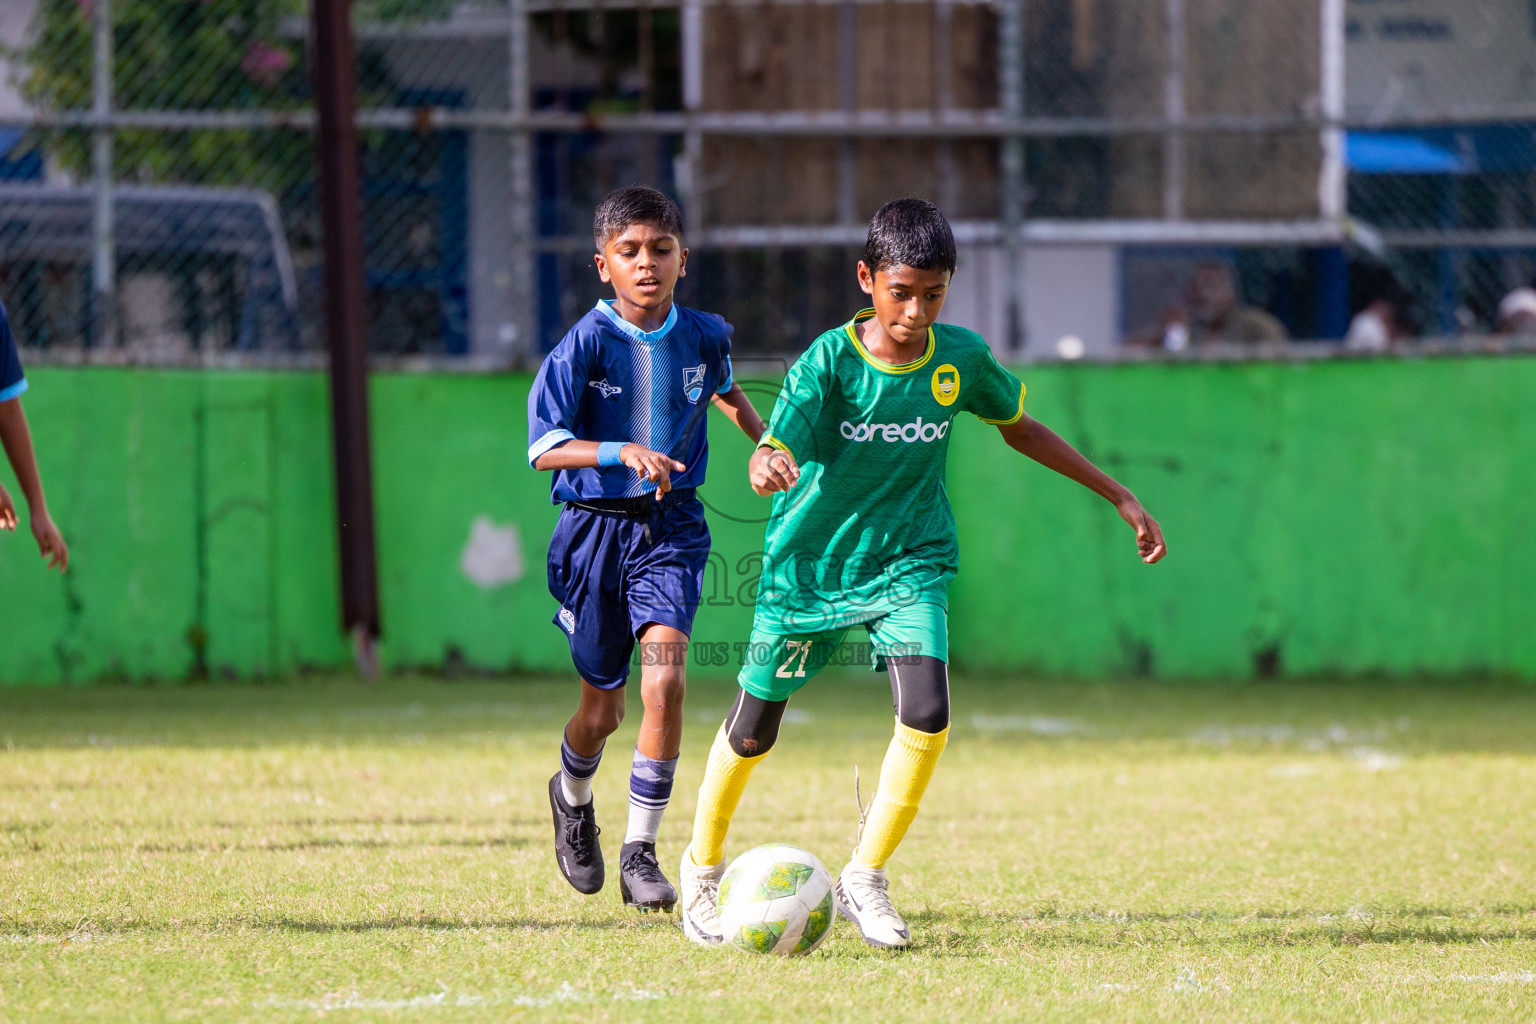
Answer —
16 437
617 412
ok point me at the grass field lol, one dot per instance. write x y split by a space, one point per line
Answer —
1321 851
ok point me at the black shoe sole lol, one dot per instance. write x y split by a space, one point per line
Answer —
554 811
664 906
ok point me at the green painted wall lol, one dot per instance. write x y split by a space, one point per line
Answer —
1354 516
1357 516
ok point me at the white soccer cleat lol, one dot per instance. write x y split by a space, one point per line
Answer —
700 898
862 898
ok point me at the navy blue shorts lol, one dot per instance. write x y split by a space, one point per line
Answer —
614 574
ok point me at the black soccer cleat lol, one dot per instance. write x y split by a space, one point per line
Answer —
641 881
576 847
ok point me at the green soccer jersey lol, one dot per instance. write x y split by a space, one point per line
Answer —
868 528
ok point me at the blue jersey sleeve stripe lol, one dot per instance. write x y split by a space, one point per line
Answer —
547 442
14 391
730 378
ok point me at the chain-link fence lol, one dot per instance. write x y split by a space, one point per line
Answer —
1117 170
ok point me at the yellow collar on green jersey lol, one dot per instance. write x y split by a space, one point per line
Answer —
881 364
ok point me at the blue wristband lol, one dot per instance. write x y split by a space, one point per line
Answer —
608 453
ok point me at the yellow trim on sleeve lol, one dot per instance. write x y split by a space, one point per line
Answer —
773 442
881 364
1012 419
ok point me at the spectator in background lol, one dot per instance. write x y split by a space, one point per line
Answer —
1517 313
1373 329
1211 312
1385 318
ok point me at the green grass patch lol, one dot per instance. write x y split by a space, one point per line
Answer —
1318 851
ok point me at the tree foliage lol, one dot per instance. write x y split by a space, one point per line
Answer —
190 55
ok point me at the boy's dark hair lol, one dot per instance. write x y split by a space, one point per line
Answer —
637 204
912 232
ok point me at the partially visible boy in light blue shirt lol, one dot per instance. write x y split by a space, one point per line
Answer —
16 437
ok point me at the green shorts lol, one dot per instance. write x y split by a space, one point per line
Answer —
775 665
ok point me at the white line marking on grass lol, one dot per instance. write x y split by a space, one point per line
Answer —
1334 735
797 716
1334 738
1375 760
329 1004
410 712
1224 736
1037 724
1502 978
1188 981
637 995
480 710
564 994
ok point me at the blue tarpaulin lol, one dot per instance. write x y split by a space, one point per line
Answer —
1384 153
1483 149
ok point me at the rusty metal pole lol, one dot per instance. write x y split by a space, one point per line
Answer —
103 249
332 68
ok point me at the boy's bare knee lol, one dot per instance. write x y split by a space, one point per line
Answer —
602 719
664 690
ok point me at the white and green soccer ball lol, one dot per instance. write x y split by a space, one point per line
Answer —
776 899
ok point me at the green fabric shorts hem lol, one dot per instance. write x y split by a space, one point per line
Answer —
776 665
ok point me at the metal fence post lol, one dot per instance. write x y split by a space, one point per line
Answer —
520 189
1332 181
1174 109
104 254
848 102
1010 42
944 101
691 180
341 211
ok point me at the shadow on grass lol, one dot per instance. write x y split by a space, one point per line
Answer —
438 924
323 844
397 821
352 821
970 933
21 929
937 934
1476 713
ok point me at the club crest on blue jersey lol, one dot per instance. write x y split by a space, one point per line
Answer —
693 382
608 390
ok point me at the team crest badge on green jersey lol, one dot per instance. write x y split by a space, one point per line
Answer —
946 384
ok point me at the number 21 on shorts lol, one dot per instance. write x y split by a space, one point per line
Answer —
792 646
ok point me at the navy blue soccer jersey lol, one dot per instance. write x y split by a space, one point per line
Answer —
12 381
608 380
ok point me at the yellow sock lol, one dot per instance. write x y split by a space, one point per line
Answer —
909 764
725 777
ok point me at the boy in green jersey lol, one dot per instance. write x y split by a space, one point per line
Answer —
862 535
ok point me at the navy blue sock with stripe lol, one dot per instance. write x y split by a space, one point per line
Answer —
650 790
576 774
